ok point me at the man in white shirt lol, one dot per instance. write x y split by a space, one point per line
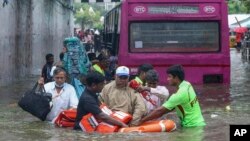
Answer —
63 94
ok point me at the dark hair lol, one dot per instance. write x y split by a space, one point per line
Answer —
101 57
152 75
58 70
48 56
91 56
176 70
94 78
61 55
144 68
111 51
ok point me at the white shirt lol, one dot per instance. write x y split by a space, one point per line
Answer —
158 95
160 91
61 101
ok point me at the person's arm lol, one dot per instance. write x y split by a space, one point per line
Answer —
93 108
52 70
104 96
40 81
73 101
139 109
43 74
105 118
158 112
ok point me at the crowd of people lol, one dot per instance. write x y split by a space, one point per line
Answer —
119 96
241 37
112 85
91 38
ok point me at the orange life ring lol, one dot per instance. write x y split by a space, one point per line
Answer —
152 126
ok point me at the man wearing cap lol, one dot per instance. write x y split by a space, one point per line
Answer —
120 97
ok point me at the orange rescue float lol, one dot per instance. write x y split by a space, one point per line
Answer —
152 126
65 119
89 124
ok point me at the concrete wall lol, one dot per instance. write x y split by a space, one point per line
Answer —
29 30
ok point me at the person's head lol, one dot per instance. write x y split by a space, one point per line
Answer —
142 69
111 52
61 55
59 75
95 82
49 58
122 76
103 60
175 75
152 78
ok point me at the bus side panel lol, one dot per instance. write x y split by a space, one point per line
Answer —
195 69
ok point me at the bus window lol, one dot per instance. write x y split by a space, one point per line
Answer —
174 37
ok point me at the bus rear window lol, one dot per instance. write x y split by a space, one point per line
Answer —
174 37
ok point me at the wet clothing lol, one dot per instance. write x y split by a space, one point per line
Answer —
97 68
186 104
64 100
88 103
106 73
158 95
160 90
46 73
125 100
239 37
157 91
138 80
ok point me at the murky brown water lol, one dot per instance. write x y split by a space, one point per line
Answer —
15 124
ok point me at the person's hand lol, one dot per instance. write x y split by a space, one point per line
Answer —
139 89
140 122
40 81
142 88
124 125
72 108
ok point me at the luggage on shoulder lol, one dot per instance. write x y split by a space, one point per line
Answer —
37 103
75 60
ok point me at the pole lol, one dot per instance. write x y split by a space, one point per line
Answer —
237 21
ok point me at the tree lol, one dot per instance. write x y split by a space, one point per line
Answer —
247 5
238 6
85 16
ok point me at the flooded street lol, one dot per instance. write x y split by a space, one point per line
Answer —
221 106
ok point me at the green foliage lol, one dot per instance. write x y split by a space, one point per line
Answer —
247 5
238 6
85 18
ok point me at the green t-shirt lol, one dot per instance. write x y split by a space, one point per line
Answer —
186 105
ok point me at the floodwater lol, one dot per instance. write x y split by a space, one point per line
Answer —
221 106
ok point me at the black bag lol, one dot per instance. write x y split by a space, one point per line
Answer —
38 103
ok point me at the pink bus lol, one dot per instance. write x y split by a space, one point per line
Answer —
193 33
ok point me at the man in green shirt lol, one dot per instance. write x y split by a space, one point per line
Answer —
184 101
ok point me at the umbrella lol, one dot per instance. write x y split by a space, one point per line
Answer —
240 29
